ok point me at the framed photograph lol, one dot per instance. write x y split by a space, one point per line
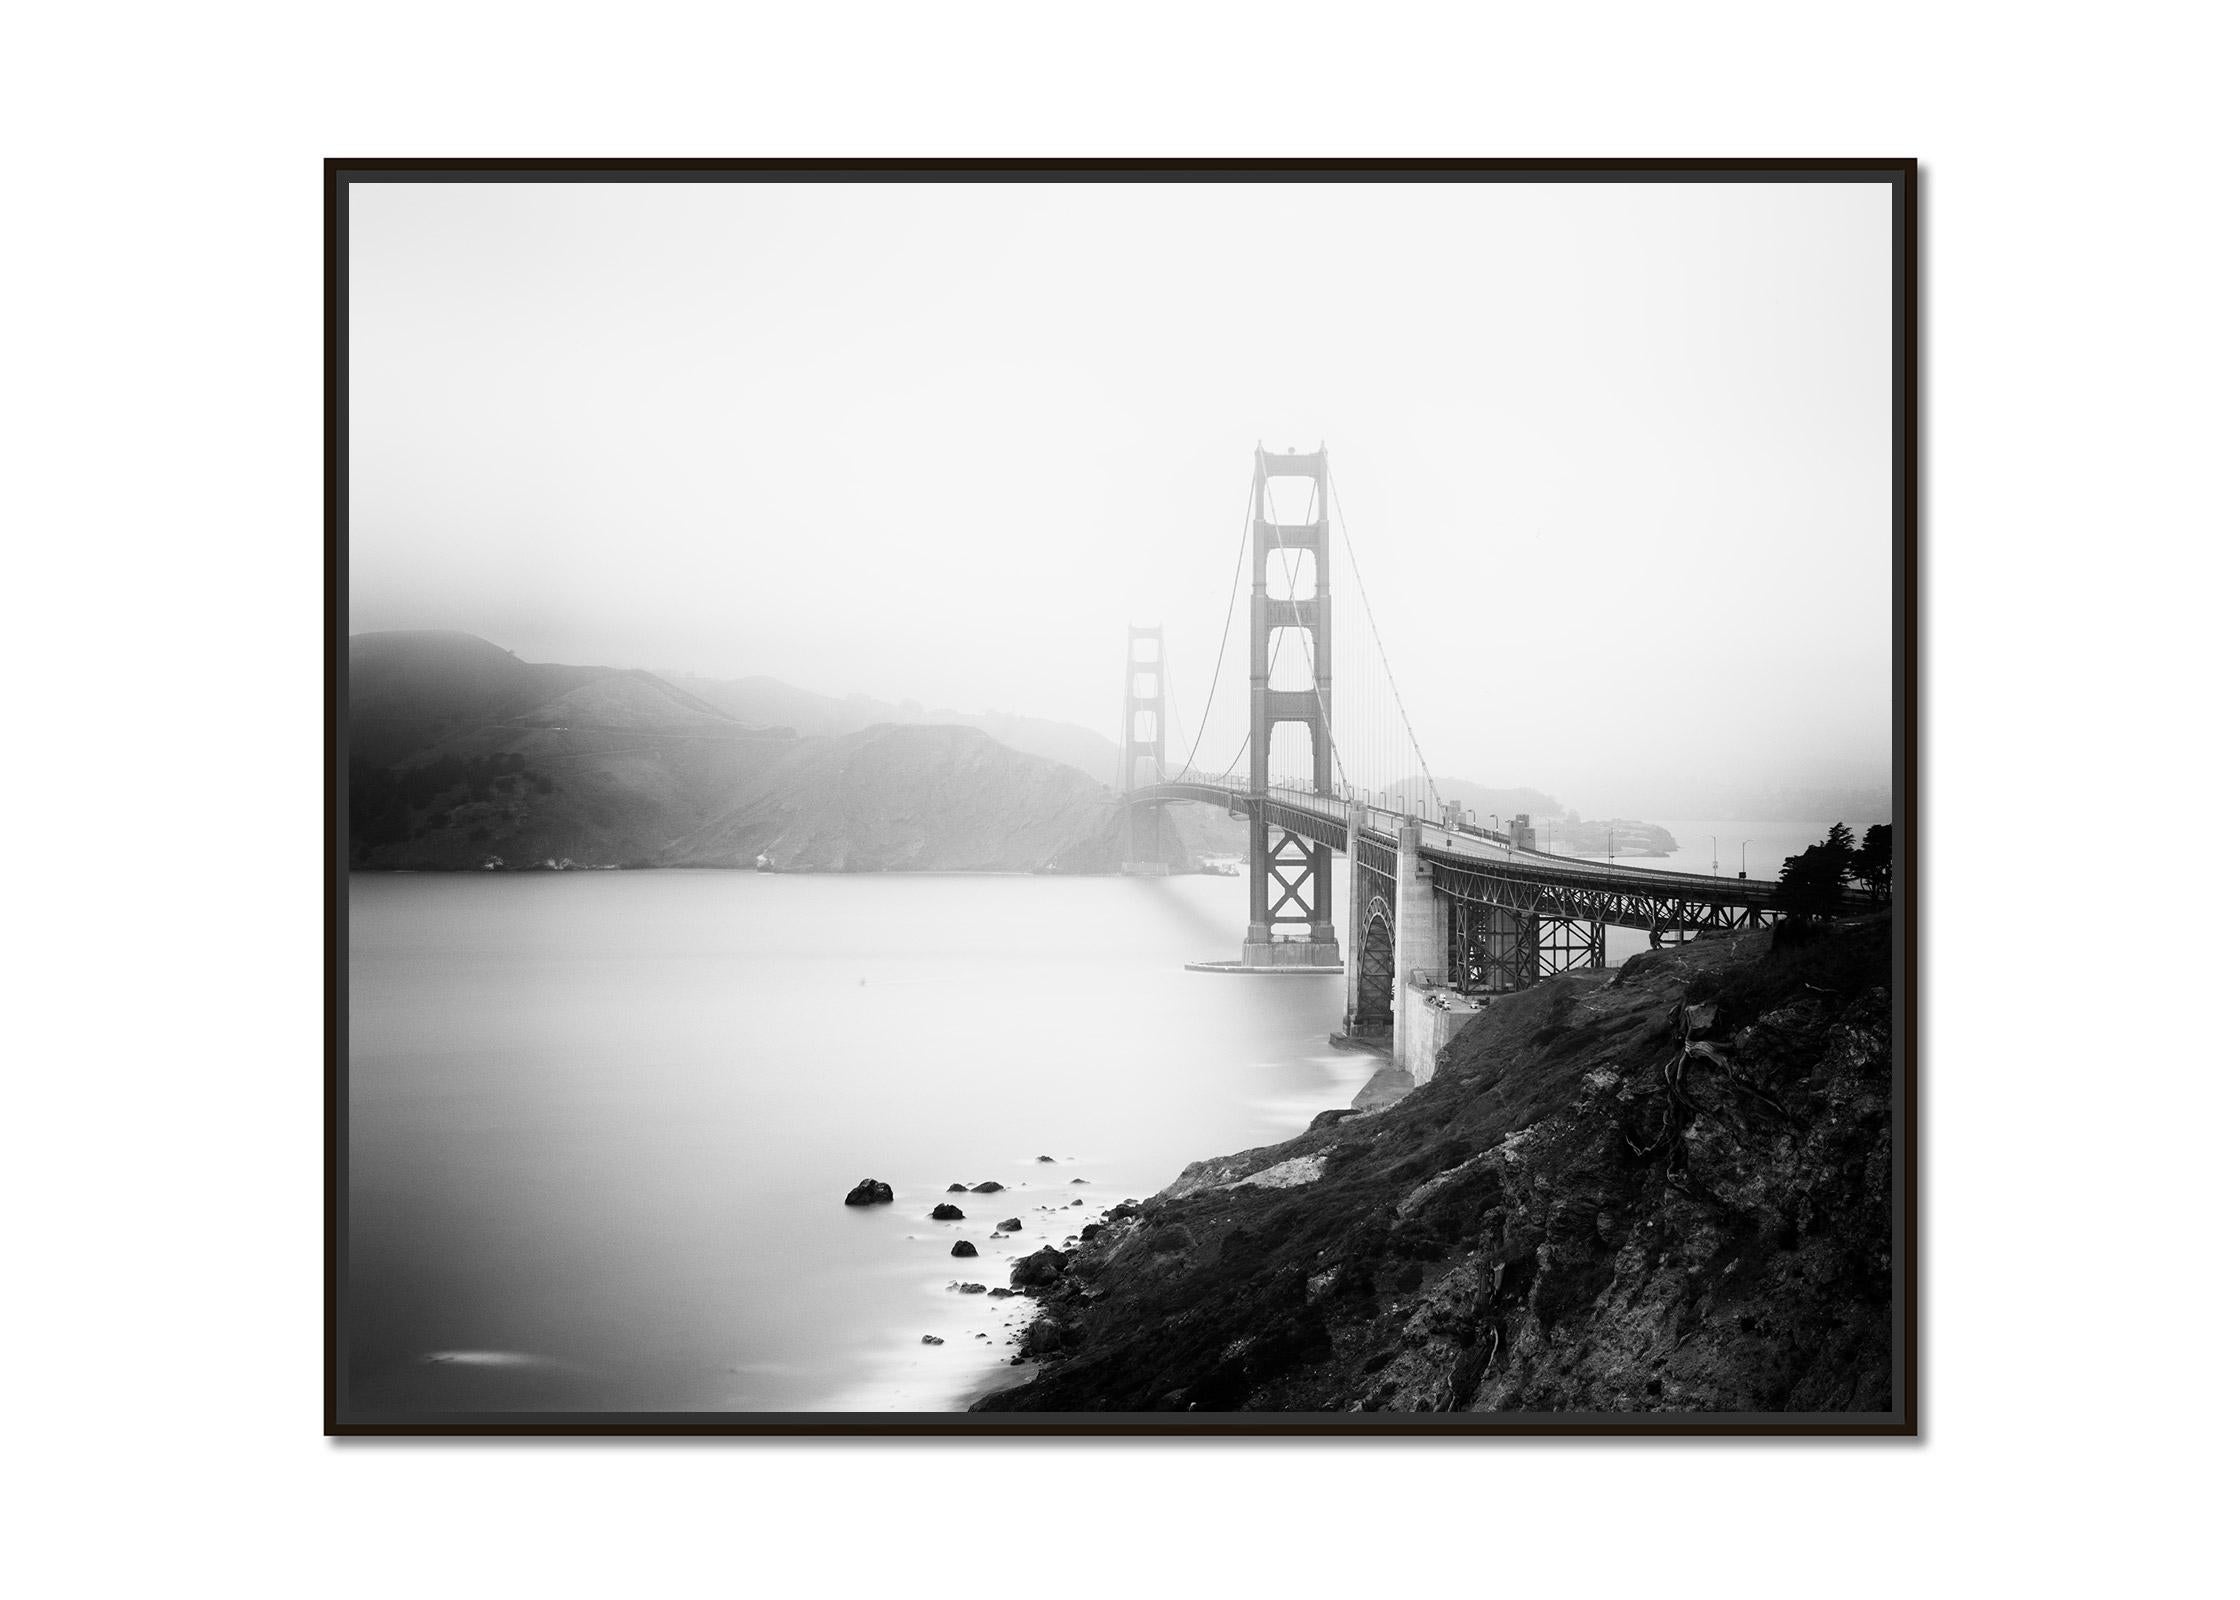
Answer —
1202 797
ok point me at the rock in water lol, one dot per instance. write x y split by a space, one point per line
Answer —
870 1192
990 1187
947 1213
972 1288
1081 1180
1046 1158
1009 1225
932 1339
958 1188
963 1247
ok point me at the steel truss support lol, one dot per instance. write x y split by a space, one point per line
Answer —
1667 916
1568 944
1492 949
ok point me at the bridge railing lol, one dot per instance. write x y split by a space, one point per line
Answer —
1480 847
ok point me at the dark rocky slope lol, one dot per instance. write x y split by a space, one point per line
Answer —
1667 1190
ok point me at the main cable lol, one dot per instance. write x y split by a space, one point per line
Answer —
1369 611
1236 574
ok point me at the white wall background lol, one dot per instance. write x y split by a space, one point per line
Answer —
161 382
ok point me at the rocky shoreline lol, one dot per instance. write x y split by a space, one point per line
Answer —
1019 1255
1661 1190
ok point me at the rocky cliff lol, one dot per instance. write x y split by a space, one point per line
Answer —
1666 1189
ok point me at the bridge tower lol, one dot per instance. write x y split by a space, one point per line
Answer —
1143 750
1290 876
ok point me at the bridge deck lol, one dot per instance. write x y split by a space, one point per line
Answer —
1464 857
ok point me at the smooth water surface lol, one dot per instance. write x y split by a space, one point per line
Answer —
600 1124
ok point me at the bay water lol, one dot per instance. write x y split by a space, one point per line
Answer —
600 1124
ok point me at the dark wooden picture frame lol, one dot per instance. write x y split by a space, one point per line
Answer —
1901 1420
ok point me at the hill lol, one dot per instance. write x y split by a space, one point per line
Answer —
412 690
768 702
910 799
460 753
1494 806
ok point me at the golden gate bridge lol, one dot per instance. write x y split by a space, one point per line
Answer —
1441 906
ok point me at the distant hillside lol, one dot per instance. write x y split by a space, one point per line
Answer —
1204 830
1494 806
410 690
1557 826
770 703
895 798
460 752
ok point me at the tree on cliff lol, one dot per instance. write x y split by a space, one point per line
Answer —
1812 882
1874 861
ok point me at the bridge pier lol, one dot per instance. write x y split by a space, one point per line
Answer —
1358 912
1290 872
1419 956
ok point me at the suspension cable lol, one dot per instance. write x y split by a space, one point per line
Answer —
1214 684
1242 746
1369 611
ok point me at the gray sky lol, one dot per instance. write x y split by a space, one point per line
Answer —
1615 458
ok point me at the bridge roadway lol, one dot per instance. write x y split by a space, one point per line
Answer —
1485 867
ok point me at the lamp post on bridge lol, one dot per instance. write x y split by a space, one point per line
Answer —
1745 872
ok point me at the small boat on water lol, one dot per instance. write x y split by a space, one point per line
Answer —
764 864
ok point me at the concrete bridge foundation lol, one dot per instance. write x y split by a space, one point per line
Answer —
1419 945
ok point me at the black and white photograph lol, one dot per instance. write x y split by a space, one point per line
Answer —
885 800
1035 797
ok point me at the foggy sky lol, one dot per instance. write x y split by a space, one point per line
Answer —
1615 458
